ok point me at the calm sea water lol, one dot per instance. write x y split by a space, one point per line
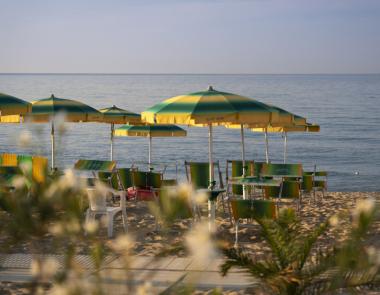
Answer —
346 106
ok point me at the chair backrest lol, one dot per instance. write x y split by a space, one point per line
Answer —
95 165
237 170
253 209
97 200
125 177
146 179
307 182
8 159
290 189
35 166
198 174
109 178
257 168
283 170
40 168
154 179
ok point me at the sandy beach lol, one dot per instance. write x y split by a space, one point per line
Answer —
150 242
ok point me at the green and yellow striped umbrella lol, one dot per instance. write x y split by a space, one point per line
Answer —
211 107
46 109
11 107
307 127
115 115
150 131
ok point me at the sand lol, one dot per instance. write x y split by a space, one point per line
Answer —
149 241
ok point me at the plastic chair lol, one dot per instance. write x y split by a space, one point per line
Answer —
145 185
198 174
98 206
320 182
251 209
290 190
236 171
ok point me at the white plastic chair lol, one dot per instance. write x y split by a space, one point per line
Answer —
98 206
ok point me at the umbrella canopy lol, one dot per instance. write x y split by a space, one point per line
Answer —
307 127
115 115
46 109
150 131
10 105
210 108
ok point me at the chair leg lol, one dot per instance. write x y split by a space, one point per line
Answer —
110 218
124 218
236 233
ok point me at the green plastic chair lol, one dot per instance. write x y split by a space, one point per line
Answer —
236 171
198 174
95 165
125 177
289 190
251 209
109 178
281 170
320 182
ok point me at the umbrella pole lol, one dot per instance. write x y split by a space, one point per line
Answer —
211 204
243 158
266 146
210 160
150 152
112 130
52 146
285 146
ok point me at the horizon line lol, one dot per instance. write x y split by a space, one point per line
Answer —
99 73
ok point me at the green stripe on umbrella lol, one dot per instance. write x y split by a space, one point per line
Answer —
10 105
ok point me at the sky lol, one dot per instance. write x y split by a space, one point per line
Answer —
190 36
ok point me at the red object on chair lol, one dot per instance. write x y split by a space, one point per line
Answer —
141 194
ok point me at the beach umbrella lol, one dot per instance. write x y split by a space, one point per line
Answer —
209 108
307 127
11 107
150 131
45 110
115 115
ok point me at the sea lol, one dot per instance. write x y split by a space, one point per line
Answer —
347 107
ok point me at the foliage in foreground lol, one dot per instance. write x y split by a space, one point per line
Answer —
294 268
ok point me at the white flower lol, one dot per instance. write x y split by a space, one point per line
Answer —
19 182
45 269
200 245
334 220
122 243
91 226
364 206
25 138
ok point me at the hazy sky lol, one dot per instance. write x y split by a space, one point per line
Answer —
190 36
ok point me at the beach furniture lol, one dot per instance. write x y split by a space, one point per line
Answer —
288 192
299 125
290 188
46 110
320 182
197 174
98 207
236 167
34 166
114 115
145 185
249 210
150 131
